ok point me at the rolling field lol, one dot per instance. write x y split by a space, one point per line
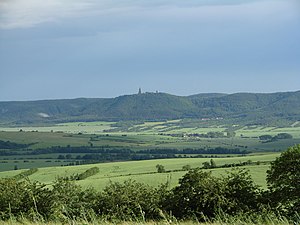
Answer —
145 171
148 135
135 136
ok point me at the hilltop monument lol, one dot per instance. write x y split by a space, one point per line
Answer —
140 91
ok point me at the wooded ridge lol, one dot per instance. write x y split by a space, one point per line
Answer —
251 108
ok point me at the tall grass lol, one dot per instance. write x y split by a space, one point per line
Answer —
265 218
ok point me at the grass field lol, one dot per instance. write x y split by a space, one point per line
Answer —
139 136
145 171
83 134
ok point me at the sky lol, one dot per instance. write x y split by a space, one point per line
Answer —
60 49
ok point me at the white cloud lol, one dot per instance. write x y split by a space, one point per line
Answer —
28 13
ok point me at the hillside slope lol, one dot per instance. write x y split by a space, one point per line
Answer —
245 107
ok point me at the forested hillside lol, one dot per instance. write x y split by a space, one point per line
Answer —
245 108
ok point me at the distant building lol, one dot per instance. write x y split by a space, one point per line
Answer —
140 91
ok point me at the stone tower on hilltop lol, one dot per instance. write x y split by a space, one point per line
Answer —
140 91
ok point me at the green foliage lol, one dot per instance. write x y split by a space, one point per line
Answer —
25 173
209 165
18 198
12 145
240 192
203 196
198 194
284 179
160 168
240 107
283 136
186 167
206 165
280 136
129 200
265 137
68 200
213 163
88 173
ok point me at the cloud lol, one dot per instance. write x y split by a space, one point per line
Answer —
30 13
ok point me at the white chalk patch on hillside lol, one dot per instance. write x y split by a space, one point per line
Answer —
44 115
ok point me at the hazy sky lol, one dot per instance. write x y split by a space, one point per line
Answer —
105 48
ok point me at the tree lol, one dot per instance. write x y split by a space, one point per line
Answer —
206 165
213 164
186 167
209 165
69 200
160 168
283 179
68 156
198 194
265 137
283 136
240 191
129 200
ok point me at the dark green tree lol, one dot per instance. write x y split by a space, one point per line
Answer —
186 167
283 179
129 200
213 164
265 137
198 194
240 191
206 165
160 168
69 201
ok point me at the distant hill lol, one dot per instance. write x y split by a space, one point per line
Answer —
240 107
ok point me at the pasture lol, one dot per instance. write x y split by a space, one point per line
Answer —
136 136
168 134
146 172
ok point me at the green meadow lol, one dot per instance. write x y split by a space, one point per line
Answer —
141 135
146 172
136 136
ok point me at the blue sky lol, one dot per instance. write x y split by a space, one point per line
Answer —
102 48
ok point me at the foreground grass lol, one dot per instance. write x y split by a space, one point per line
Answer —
271 221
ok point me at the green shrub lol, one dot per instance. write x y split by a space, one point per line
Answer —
283 179
198 194
129 201
69 201
23 198
88 173
25 173
160 168
240 192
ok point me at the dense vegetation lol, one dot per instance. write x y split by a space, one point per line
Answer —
280 108
199 195
12 145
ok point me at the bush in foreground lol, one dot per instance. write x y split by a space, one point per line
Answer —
283 180
129 200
